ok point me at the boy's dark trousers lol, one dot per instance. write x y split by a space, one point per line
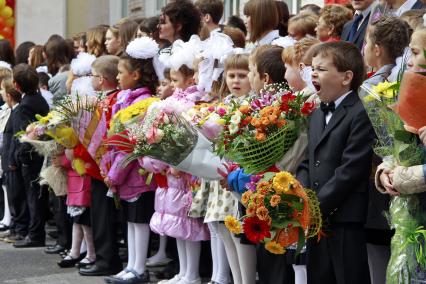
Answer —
63 221
337 167
103 217
17 202
37 198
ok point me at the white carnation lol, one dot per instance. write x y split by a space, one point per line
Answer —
82 65
142 48
233 128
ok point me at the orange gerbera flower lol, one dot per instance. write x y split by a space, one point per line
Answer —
256 122
260 136
275 200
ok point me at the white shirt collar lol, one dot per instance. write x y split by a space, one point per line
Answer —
269 37
405 7
339 100
216 30
365 13
15 106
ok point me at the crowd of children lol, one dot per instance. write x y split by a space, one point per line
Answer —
186 57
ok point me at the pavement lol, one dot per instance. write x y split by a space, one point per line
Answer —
32 265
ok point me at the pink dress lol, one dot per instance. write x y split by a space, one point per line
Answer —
172 205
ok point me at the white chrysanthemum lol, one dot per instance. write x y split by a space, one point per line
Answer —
82 65
4 64
142 48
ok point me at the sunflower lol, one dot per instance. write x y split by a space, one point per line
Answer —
256 230
233 225
274 247
282 182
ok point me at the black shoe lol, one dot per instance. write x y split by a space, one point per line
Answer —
94 270
84 264
71 262
28 243
54 249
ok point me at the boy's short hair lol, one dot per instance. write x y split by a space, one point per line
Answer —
305 23
346 57
237 22
237 36
337 16
212 7
26 78
43 79
392 34
106 66
268 60
414 18
294 54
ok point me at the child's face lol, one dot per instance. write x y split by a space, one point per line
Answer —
165 89
370 57
323 31
179 81
256 81
294 32
327 80
112 43
238 82
126 79
96 81
417 58
292 75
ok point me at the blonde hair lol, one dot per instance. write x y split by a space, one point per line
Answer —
96 40
6 81
421 31
295 54
414 18
263 16
305 23
336 16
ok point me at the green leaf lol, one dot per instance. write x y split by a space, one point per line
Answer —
268 176
403 136
301 241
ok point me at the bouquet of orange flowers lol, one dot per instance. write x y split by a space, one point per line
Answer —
279 212
259 130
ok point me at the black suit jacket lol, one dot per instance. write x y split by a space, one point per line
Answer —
419 5
30 105
338 161
358 39
8 151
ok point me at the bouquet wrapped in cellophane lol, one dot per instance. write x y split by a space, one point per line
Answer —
259 130
279 213
398 147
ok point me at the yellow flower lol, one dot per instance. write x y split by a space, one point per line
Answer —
275 200
262 213
385 89
233 225
369 98
246 197
274 247
133 110
282 182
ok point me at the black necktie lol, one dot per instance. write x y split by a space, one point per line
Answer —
354 28
326 108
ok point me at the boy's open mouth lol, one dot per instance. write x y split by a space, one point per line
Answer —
316 85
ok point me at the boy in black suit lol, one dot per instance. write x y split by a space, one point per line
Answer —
28 162
338 166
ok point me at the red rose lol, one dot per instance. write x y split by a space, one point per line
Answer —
307 108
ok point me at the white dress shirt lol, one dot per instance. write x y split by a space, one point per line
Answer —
336 104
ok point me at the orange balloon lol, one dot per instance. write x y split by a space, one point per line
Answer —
2 23
10 22
6 32
6 12
2 4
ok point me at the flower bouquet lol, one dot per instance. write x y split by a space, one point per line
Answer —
279 213
259 130
396 146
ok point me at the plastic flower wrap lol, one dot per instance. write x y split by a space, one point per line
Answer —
259 130
396 146
279 212
161 135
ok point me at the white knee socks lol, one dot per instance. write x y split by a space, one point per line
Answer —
181 247
231 253
88 239
161 253
193 250
300 275
220 272
6 216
